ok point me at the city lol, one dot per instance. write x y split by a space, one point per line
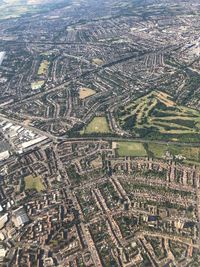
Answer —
99 133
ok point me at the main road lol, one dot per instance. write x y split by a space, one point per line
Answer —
117 139
57 139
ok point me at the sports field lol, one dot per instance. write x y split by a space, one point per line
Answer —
97 125
85 92
131 149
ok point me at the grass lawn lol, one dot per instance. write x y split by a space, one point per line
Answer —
192 154
43 67
158 150
97 125
37 85
97 61
86 92
156 116
34 183
131 149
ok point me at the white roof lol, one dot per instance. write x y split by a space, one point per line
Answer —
34 141
4 155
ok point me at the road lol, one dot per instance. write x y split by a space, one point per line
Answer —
117 139
96 70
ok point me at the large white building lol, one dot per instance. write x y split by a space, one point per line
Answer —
3 252
19 217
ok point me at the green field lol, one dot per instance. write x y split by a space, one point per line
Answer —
97 125
17 8
43 67
137 149
131 149
37 85
34 183
157 116
86 92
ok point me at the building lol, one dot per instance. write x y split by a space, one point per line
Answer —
20 217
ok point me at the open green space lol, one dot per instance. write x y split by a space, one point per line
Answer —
189 153
37 85
17 8
97 125
12 9
137 149
85 92
157 116
43 67
131 149
34 183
